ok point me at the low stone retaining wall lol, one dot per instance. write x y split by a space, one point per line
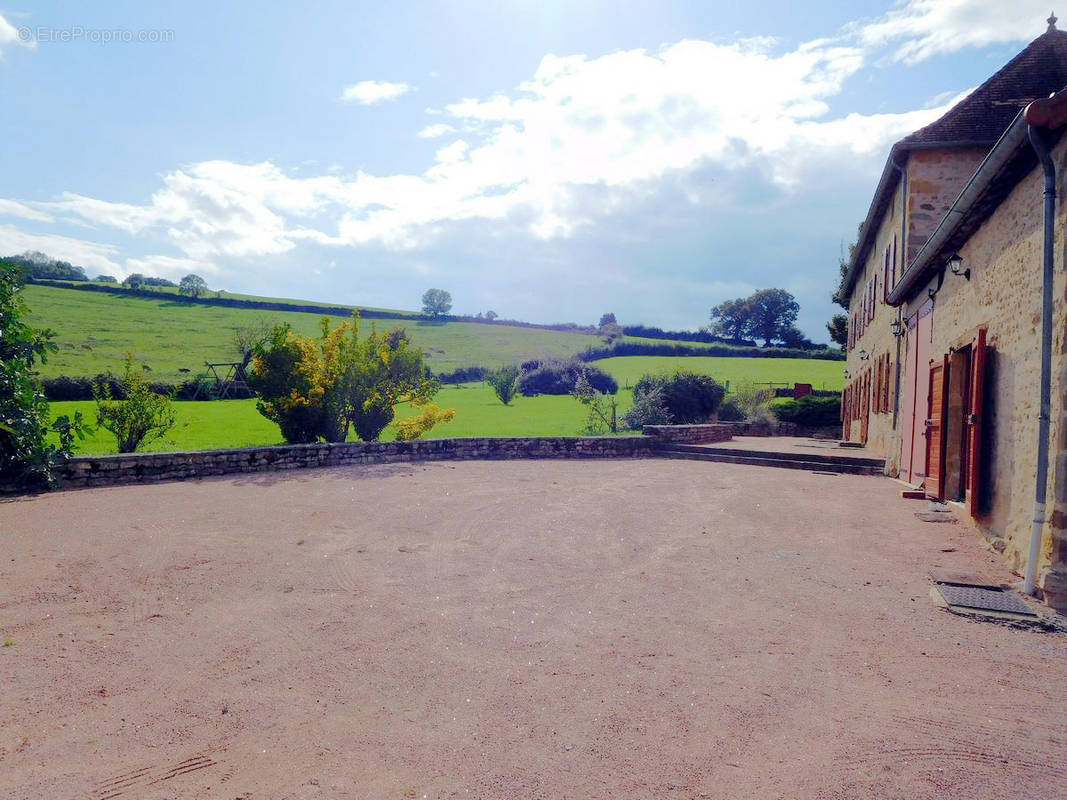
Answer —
713 432
86 471
707 433
763 429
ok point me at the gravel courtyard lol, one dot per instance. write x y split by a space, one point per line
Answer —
519 629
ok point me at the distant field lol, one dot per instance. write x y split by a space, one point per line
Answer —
236 423
820 373
94 331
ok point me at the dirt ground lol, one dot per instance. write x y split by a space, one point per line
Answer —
523 629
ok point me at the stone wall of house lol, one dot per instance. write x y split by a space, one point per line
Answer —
1004 294
86 471
877 338
935 179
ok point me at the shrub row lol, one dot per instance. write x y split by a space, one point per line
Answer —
463 375
689 398
625 348
81 388
652 332
787 391
558 376
810 412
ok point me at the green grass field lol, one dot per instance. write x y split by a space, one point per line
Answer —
820 373
94 332
236 423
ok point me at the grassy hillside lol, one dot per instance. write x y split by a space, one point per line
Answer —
94 331
236 296
820 373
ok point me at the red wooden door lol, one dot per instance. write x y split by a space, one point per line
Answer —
846 414
935 451
974 422
924 328
907 402
865 399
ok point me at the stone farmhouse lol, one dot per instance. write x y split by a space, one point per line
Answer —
957 349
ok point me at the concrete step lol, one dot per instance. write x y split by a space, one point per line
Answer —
817 458
725 457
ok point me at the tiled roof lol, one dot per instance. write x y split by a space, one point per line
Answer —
979 119
986 113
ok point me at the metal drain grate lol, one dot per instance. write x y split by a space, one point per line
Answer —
982 599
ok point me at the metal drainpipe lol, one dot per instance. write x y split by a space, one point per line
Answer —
1041 487
903 262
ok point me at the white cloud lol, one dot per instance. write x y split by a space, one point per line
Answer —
435 131
369 92
15 208
577 143
919 29
91 255
12 36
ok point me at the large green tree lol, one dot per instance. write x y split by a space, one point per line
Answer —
769 314
837 327
27 458
730 319
192 285
773 315
436 302
323 388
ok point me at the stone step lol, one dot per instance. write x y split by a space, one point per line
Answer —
818 458
707 454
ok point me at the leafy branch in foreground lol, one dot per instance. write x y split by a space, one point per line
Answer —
27 459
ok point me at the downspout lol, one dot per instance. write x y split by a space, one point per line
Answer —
903 252
1041 487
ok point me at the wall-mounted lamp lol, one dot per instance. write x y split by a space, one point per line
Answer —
931 292
896 327
847 376
955 266
864 355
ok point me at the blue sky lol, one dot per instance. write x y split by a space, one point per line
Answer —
548 160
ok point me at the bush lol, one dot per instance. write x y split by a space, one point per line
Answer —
648 409
729 412
603 409
559 376
753 402
141 417
430 415
341 381
505 382
810 411
690 398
